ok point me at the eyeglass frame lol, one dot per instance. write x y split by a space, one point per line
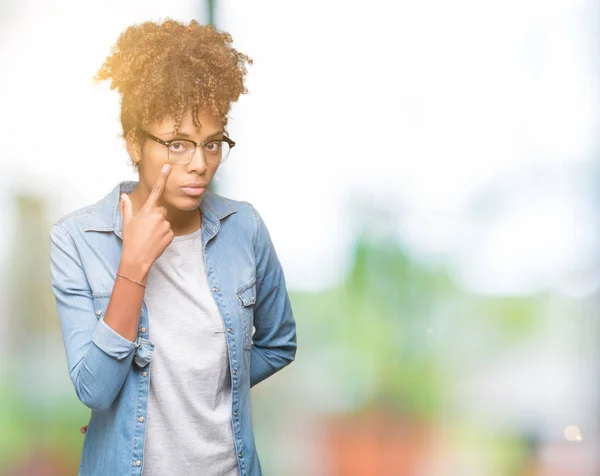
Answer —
167 143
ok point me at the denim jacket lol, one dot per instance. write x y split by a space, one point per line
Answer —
111 373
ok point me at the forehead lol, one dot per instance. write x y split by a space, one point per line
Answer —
209 124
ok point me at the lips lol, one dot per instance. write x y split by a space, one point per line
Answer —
194 189
195 185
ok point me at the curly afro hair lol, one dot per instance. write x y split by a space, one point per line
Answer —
167 68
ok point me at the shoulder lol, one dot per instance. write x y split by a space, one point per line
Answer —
80 215
75 221
242 214
100 215
240 210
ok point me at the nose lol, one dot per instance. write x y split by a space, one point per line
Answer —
198 163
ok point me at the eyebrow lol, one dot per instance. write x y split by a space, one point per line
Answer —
187 136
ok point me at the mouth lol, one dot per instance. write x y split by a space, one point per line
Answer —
194 189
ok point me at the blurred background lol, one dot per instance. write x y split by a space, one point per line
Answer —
429 175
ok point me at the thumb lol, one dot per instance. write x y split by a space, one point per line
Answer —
126 208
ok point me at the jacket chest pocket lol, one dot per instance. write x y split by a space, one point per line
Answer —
247 299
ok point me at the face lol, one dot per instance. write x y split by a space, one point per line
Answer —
151 156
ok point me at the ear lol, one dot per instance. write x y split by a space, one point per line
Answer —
134 146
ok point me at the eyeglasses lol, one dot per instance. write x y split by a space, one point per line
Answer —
181 151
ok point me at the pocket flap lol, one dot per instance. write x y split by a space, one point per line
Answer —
143 353
247 293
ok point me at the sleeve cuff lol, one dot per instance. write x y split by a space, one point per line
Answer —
111 342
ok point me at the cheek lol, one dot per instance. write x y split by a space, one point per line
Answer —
213 170
150 165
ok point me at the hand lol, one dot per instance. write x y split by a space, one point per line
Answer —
83 429
147 234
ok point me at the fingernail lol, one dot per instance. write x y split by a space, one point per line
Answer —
165 168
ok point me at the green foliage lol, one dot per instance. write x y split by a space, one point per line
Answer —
387 329
54 427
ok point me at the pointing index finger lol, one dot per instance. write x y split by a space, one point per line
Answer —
159 186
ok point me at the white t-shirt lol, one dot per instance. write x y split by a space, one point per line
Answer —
189 429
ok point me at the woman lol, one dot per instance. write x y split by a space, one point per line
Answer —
171 298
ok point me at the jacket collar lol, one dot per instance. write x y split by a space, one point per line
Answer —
106 216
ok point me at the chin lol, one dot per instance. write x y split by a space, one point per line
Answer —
187 203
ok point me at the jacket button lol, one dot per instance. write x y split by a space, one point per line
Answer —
138 462
240 454
144 373
234 371
143 329
215 289
230 330
235 414
98 312
141 419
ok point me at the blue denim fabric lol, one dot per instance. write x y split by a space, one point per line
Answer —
111 373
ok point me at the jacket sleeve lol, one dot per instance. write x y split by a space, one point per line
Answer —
274 340
97 356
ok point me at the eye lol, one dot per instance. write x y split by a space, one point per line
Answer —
214 147
179 146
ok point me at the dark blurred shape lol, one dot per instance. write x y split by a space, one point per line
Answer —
211 11
43 462
30 299
375 444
